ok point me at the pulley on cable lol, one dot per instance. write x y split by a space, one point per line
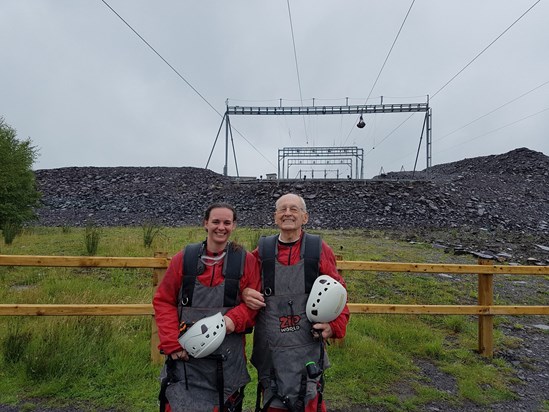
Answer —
360 123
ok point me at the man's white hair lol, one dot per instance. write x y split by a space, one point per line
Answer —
301 200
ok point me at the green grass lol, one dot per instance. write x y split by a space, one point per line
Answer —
104 361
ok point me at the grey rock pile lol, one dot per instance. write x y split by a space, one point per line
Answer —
496 204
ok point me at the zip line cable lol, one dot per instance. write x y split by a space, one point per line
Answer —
181 77
483 50
385 138
162 58
384 63
489 113
463 69
297 70
390 50
498 129
486 133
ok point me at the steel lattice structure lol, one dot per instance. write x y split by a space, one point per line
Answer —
321 153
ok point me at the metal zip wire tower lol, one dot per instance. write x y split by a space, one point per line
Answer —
325 110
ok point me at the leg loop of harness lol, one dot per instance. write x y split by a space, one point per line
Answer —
320 390
275 395
166 381
300 403
258 396
220 379
235 402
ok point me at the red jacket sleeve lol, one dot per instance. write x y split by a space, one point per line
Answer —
328 267
165 306
242 316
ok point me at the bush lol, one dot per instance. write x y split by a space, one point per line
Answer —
18 193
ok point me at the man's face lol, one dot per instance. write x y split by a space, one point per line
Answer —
289 214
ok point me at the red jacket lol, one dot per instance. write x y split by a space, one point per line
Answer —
165 298
290 255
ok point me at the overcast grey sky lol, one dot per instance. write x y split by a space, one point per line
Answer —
89 92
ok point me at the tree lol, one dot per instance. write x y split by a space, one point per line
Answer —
18 193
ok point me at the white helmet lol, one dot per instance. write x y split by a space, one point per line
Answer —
326 300
205 336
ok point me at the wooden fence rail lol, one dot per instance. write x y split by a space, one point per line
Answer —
485 310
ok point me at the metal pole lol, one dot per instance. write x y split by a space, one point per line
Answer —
226 168
215 141
429 139
232 144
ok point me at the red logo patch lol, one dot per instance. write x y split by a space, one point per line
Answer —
289 323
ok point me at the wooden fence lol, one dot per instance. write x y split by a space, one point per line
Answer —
485 309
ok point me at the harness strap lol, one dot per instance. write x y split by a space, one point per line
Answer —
233 268
311 246
275 395
300 403
320 386
310 249
220 383
258 394
192 267
234 404
167 381
320 390
284 399
267 254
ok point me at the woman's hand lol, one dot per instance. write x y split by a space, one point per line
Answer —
181 355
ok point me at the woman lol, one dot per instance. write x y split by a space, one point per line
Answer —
201 280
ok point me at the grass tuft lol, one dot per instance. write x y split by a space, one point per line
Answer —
91 238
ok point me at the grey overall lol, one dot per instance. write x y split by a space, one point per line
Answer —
196 386
283 342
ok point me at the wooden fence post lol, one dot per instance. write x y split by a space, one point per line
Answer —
158 274
486 322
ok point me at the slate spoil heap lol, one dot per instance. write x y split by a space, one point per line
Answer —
496 205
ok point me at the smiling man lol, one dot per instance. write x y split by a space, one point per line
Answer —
284 339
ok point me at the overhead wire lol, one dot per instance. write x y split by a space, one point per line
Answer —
181 76
493 130
390 50
499 128
492 111
483 50
463 69
385 61
297 68
162 58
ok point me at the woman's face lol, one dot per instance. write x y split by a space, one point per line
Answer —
219 226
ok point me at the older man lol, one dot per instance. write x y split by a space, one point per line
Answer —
284 339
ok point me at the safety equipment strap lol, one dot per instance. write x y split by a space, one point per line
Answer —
275 395
311 246
193 266
166 381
